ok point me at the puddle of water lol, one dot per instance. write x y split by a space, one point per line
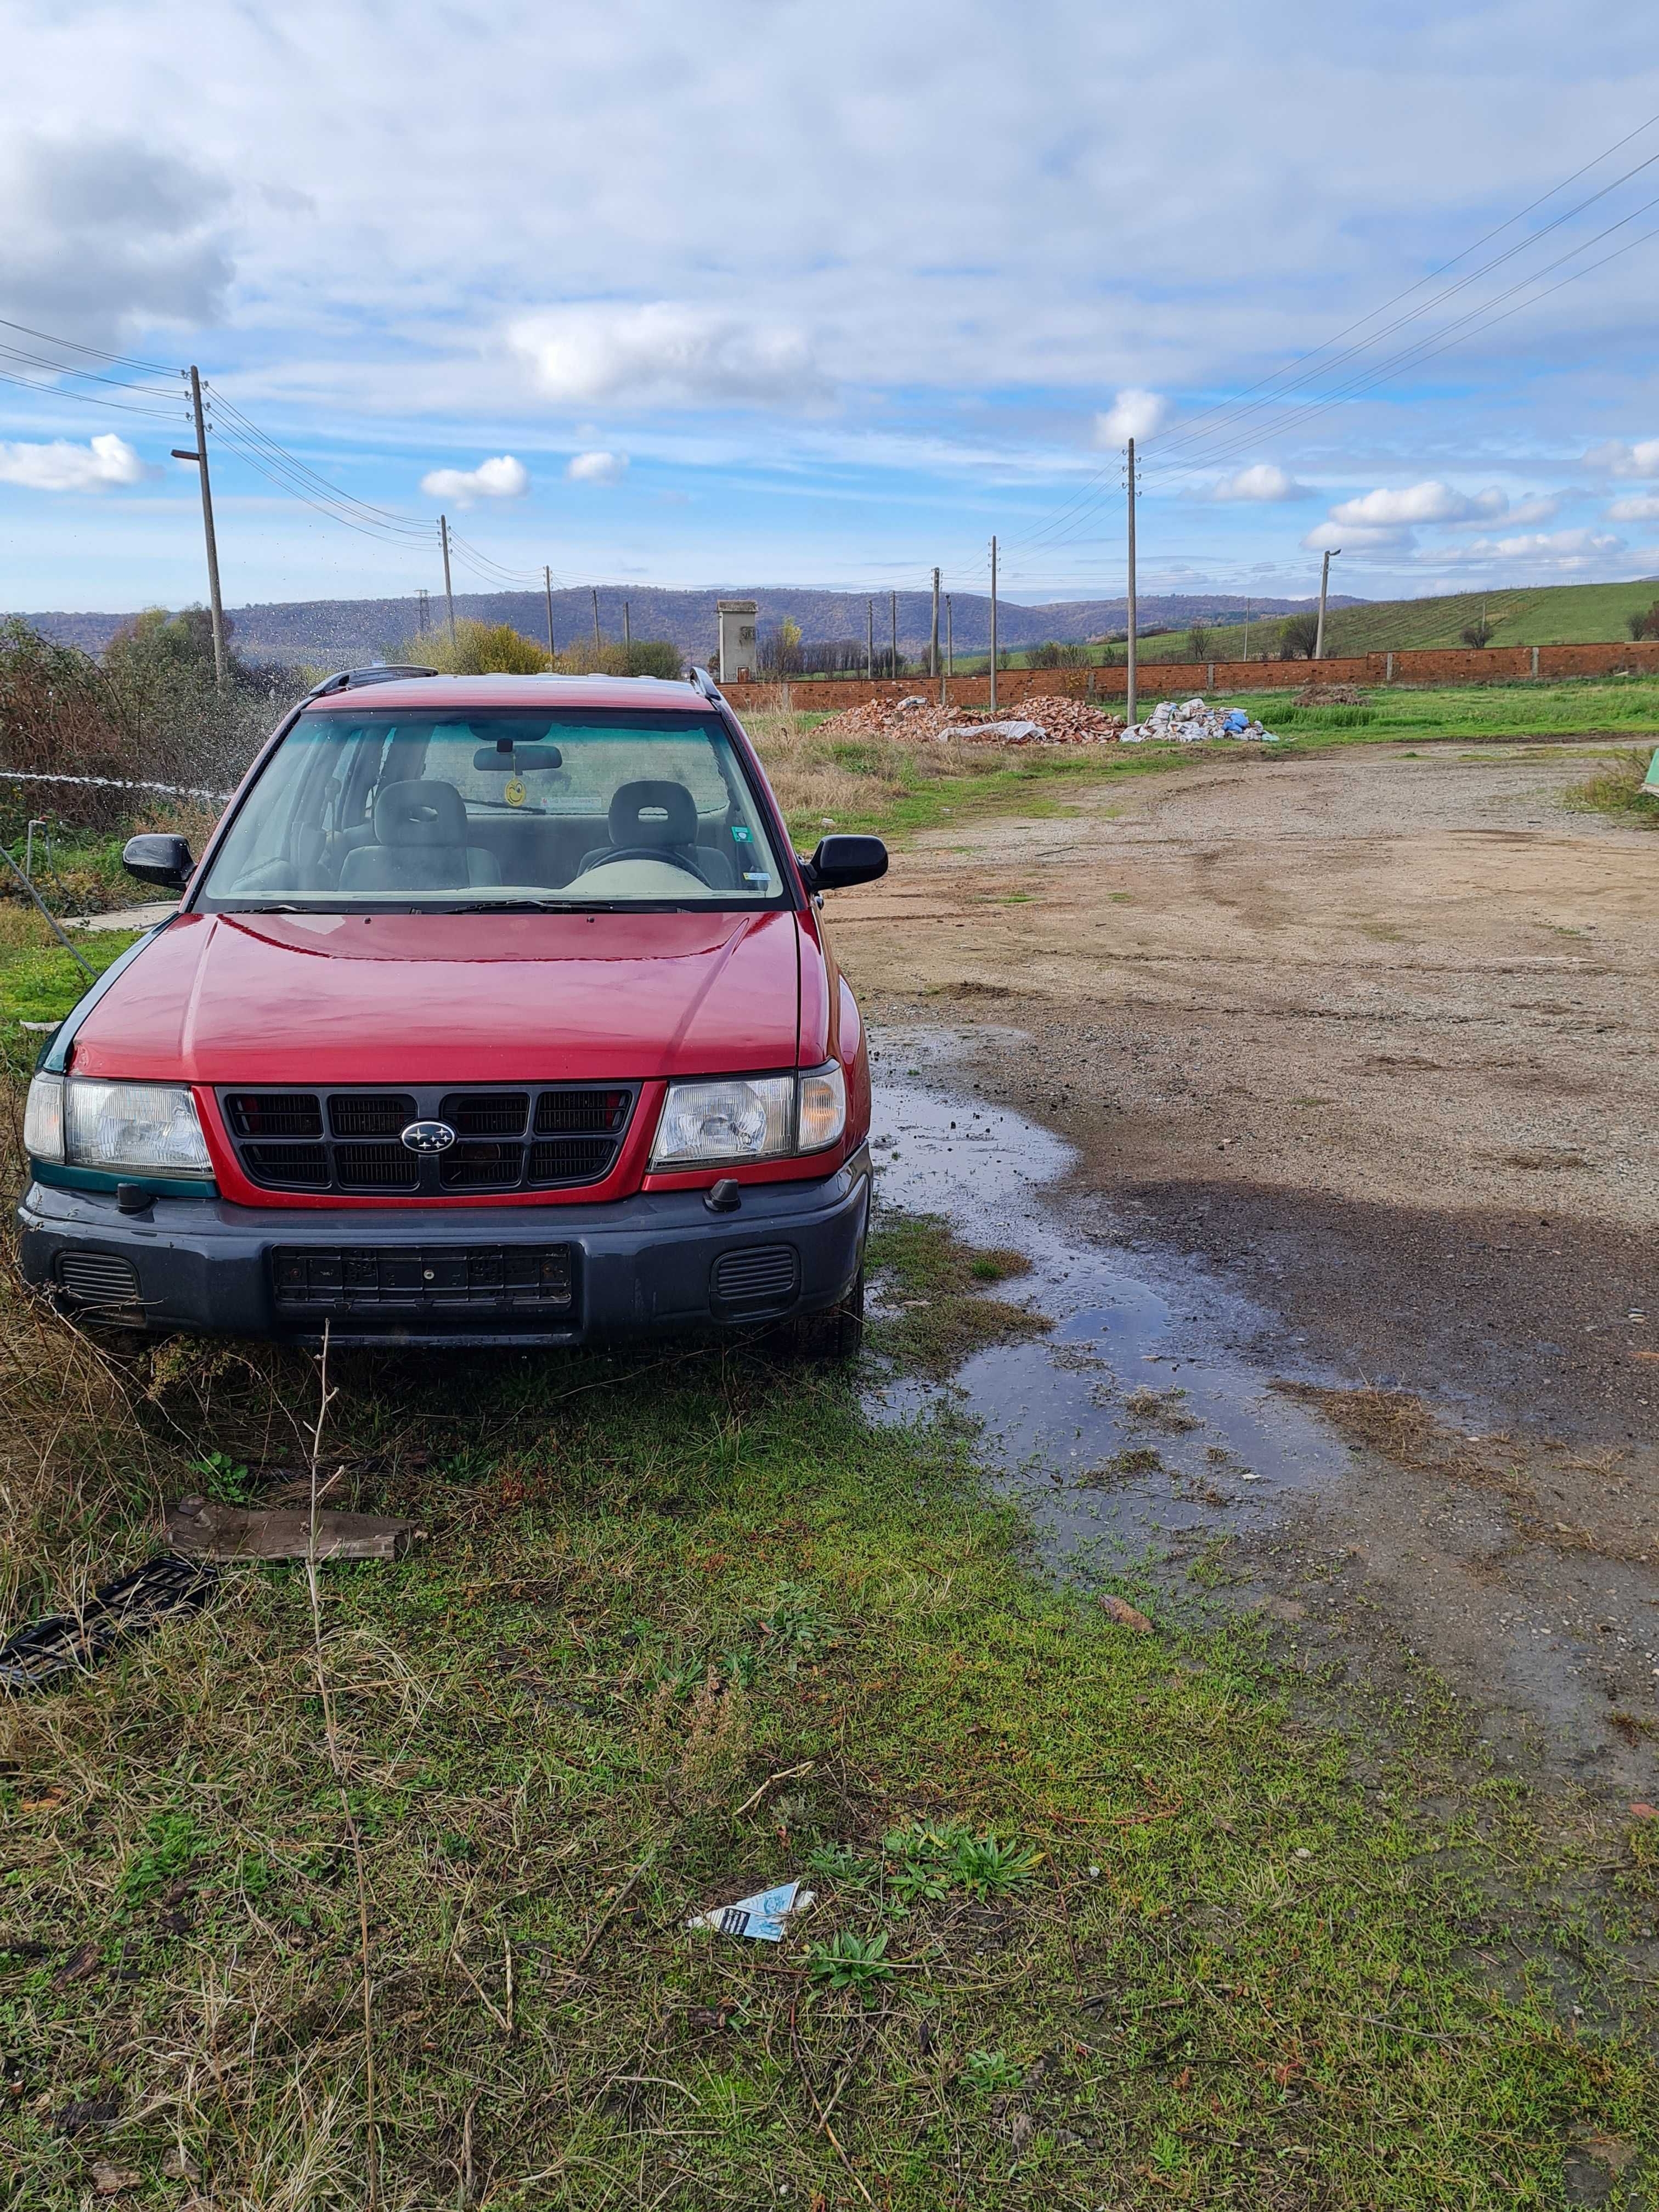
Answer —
1133 1423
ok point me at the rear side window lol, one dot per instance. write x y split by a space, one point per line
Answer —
595 808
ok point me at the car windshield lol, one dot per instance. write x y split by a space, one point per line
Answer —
498 806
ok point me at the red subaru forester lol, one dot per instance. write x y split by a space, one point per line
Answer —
498 1010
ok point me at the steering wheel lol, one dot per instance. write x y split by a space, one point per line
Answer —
648 853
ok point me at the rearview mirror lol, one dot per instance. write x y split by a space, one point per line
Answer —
158 858
842 861
517 757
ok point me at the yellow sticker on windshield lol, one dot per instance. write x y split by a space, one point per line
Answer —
513 791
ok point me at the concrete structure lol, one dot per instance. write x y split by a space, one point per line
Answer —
738 658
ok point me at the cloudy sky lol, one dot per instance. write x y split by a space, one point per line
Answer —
764 292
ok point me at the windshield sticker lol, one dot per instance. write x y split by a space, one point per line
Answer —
740 831
761 876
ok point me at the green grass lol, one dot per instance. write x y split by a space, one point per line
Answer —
1553 614
1104 1917
1617 790
38 980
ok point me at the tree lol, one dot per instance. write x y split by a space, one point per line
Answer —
1643 625
1477 633
1055 655
478 649
1297 636
1199 642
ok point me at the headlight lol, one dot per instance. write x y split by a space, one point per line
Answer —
730 1119
734 1118
121 1127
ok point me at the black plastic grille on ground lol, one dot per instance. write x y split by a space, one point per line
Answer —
499 1278
764 1276
67 1643
509 1137
97 1279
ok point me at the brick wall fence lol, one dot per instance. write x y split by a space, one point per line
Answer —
1180 679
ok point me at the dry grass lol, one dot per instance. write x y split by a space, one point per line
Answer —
822 783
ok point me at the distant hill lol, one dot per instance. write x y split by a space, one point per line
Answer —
1554 614
334 633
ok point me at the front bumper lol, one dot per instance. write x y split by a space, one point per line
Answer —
659 1263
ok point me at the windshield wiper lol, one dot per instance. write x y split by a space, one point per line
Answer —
504 906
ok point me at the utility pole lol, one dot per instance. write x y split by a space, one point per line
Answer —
595 590
449 589
547 585
1129 701
993 625
950 640
869 641
892 665
200 457
933 649
1331 552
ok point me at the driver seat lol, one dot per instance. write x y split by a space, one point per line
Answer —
652 812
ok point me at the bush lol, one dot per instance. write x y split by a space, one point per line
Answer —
1477 633
1055 655
478 649
1643 625
1297 636
153 712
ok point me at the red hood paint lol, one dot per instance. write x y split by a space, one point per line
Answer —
434 998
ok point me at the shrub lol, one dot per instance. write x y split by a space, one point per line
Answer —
1297 636
478 649
1477 633
1055 655
1199 642
1643 625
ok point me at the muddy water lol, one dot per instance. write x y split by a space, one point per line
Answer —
1136 1421
1140 1429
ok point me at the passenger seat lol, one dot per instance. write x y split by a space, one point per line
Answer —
421 844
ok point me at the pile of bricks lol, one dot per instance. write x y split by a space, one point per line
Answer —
1039 720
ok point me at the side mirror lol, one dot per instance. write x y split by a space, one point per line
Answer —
840 862
158 858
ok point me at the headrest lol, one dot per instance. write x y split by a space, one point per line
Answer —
419 814
653 813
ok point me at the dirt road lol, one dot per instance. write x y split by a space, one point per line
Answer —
1373 1032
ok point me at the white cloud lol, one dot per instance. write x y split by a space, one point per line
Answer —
1263 481
1539 506
1641 459
501 478
1553 551
106 461
1638 507
1432 501
1134 414
597 468
666 352
1357 537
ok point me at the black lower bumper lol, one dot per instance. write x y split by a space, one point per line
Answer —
655 1264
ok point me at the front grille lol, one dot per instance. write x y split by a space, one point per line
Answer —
273 1113
370 1112
514 1137
97 1279
511 1278
765 1276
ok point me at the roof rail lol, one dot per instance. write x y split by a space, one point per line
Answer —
703 682
349 679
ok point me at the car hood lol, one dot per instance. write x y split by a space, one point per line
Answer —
434 997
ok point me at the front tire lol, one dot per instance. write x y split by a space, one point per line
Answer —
837 1334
